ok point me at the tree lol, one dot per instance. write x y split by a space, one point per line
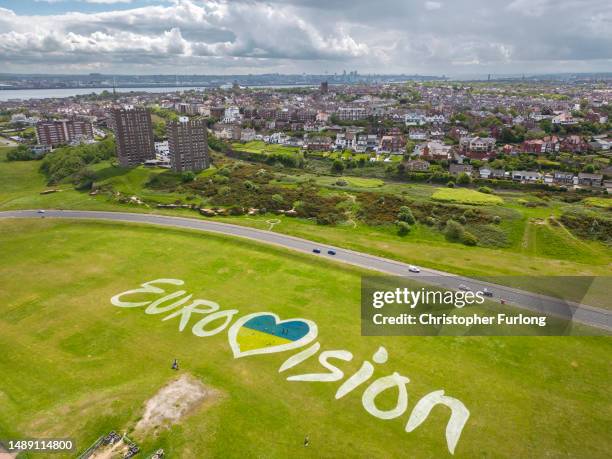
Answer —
337 167
464 179
534 134
405 215
159 130
546 125
589 169
21 153
409 148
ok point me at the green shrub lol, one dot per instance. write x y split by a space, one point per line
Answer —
337 167
588 224
84 179
405 215
453 230
220 179
485 189
278 199
187 176
469 214
451 184
66 161
469 239
21 153
236 210
497 219
464 179
403 228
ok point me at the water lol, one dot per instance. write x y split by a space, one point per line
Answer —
24 94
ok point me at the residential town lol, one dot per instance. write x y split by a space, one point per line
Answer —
547 133
324 229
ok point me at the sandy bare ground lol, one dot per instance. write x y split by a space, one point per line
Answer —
110 451
174 401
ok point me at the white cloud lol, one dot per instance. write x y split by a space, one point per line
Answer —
313 35
109 2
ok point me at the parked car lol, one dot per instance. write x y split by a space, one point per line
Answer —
316 250
414 269
331 252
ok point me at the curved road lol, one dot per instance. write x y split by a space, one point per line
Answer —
595 317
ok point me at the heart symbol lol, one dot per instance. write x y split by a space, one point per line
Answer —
265 333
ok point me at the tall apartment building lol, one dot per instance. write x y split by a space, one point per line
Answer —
58 132
133 135
352 113
188 145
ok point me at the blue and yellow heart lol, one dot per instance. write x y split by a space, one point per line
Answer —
263 331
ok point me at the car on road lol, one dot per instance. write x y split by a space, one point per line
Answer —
41 211
316 250
487 292
464 287
331 252
414 269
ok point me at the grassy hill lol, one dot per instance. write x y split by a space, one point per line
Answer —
74 365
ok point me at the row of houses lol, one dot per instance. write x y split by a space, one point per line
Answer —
553 144
560 178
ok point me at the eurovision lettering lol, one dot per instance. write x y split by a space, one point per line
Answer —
266 333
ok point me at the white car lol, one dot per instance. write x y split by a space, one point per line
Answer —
414 269
464 287
41 211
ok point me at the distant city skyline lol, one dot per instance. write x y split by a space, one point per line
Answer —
454 38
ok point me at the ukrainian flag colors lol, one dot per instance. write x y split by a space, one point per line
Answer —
263 331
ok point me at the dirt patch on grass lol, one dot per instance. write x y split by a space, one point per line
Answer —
117 450
174 401
5 455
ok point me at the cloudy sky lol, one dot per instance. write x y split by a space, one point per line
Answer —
452 37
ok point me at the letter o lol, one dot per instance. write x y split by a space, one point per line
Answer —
198 328
380 385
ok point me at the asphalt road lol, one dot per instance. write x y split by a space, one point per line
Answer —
595 317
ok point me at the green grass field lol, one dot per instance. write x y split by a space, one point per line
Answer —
258 146
21 184
465 196
74 365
